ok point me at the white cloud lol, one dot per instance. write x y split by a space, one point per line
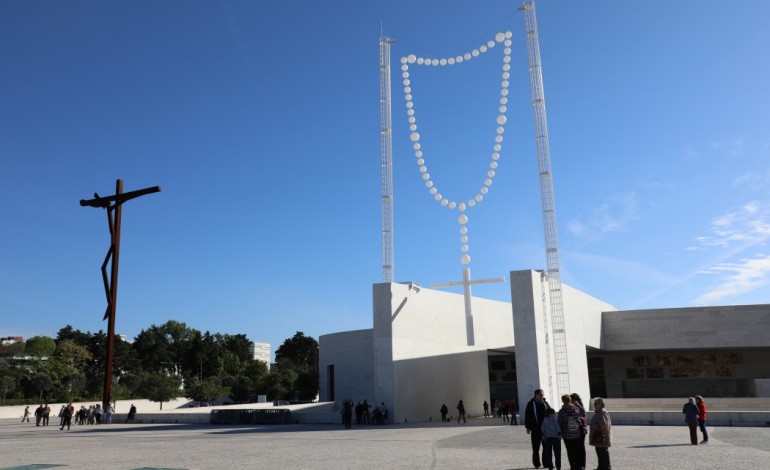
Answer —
736 232
690 153
747 225
612 216
753 181
727 147
737 278
636 281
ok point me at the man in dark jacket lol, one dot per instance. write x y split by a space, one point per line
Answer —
534 414
38 414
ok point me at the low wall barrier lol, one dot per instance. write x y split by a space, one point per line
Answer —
263 416
676 418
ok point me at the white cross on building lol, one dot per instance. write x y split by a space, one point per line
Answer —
466 283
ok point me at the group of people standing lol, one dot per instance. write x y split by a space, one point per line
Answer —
444 411
695 416
547 428
507 410
379 415
91 415
94 414
42 415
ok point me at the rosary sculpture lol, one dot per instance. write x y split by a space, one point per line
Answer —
461 206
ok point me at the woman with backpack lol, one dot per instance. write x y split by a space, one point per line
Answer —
581 454
571 430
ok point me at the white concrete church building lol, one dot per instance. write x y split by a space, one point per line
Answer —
425 348
416 357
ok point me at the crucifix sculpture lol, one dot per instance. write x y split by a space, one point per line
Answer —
467 283
113 204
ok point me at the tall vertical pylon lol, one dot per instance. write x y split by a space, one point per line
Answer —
558 336
386 159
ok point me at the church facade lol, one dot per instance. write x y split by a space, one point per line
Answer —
416 355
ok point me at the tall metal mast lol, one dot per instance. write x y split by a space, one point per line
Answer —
547 200
386 157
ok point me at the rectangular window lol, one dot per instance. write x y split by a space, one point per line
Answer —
330 381
497 365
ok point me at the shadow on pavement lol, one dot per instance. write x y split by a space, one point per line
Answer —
652 446
293 428
262 428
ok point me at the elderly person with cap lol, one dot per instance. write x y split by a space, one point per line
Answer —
600 433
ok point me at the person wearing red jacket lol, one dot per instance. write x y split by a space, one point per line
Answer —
702 418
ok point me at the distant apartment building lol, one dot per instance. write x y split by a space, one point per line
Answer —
261 352
9 340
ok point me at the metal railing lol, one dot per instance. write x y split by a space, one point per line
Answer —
280 416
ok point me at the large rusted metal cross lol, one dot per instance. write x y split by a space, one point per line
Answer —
113 205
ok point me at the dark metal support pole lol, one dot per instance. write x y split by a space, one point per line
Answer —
114 219
113 205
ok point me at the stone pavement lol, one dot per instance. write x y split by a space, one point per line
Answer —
480 444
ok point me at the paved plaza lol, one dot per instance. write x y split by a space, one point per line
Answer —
479 444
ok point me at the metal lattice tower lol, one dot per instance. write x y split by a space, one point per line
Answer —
386 158
558 335
544 290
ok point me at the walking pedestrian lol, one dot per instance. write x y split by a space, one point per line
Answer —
46 414
38 415
461 411
131 414
66 419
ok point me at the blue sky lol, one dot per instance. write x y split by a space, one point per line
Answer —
260 121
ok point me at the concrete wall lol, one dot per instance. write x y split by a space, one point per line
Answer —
739 326
142 406
752 365
422 358
762 387
582 322
351 353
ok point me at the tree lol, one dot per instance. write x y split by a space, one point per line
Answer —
206 390
301 350
299 355
39 385
306 386
77 336
124 363
178 337
73 355
165 348
153 350
239 346
160 387
7 384
40 346
279 383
